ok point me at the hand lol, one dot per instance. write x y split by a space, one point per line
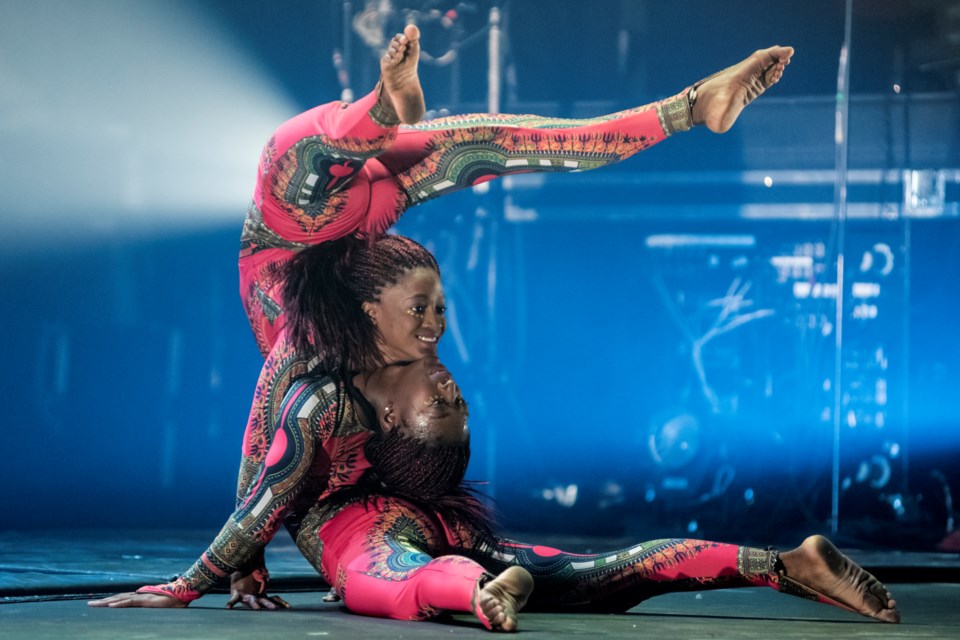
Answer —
250 590
133 599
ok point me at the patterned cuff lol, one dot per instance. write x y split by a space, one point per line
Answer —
381 116
676 113
177 589
758 562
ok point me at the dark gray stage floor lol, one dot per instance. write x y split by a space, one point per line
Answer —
45 582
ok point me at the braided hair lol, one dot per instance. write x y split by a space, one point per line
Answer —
326 286
430 474
417 467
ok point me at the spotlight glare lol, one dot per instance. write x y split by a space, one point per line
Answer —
164 137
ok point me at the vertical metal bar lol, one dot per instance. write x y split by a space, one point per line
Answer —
494 71
841 139
493 106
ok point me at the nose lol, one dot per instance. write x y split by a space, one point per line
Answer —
433 320
430 318
450 391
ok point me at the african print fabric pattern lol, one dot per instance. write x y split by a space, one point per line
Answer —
399 542
467 150
261 290
385 558
288 470
282 365
257 236
308 184
619 580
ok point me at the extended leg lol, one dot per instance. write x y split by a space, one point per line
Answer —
619 580
444 155
447 154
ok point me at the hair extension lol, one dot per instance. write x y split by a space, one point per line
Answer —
428 474
421 468
326 286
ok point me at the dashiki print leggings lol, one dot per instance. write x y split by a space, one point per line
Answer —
392 559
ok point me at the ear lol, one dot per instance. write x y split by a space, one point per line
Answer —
389 418
372 309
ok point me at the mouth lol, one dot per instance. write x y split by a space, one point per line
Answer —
428 339
436 371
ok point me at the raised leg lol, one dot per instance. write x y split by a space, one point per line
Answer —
447 154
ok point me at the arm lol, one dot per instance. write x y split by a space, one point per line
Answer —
248 530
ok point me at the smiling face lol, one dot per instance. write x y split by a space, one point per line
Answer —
409 316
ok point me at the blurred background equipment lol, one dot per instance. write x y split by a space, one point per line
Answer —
694 341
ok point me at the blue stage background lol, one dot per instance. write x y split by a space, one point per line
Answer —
582 304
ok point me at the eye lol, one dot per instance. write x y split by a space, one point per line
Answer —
418 309
441 309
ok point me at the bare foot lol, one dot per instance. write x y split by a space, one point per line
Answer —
500 600
819 566
401 84
722 96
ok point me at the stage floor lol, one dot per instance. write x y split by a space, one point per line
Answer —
45 581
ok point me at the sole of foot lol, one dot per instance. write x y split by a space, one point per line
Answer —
500 600
817 569
722 96
401 83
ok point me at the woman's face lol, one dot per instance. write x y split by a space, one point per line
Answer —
423 397
410 316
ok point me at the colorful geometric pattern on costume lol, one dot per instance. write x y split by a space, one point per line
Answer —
619 580
308 177
262 303
468 150
257 236
281 367
319 187
757 562
295 464
387 558
399 542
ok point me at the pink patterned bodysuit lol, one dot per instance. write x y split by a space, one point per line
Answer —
342 169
